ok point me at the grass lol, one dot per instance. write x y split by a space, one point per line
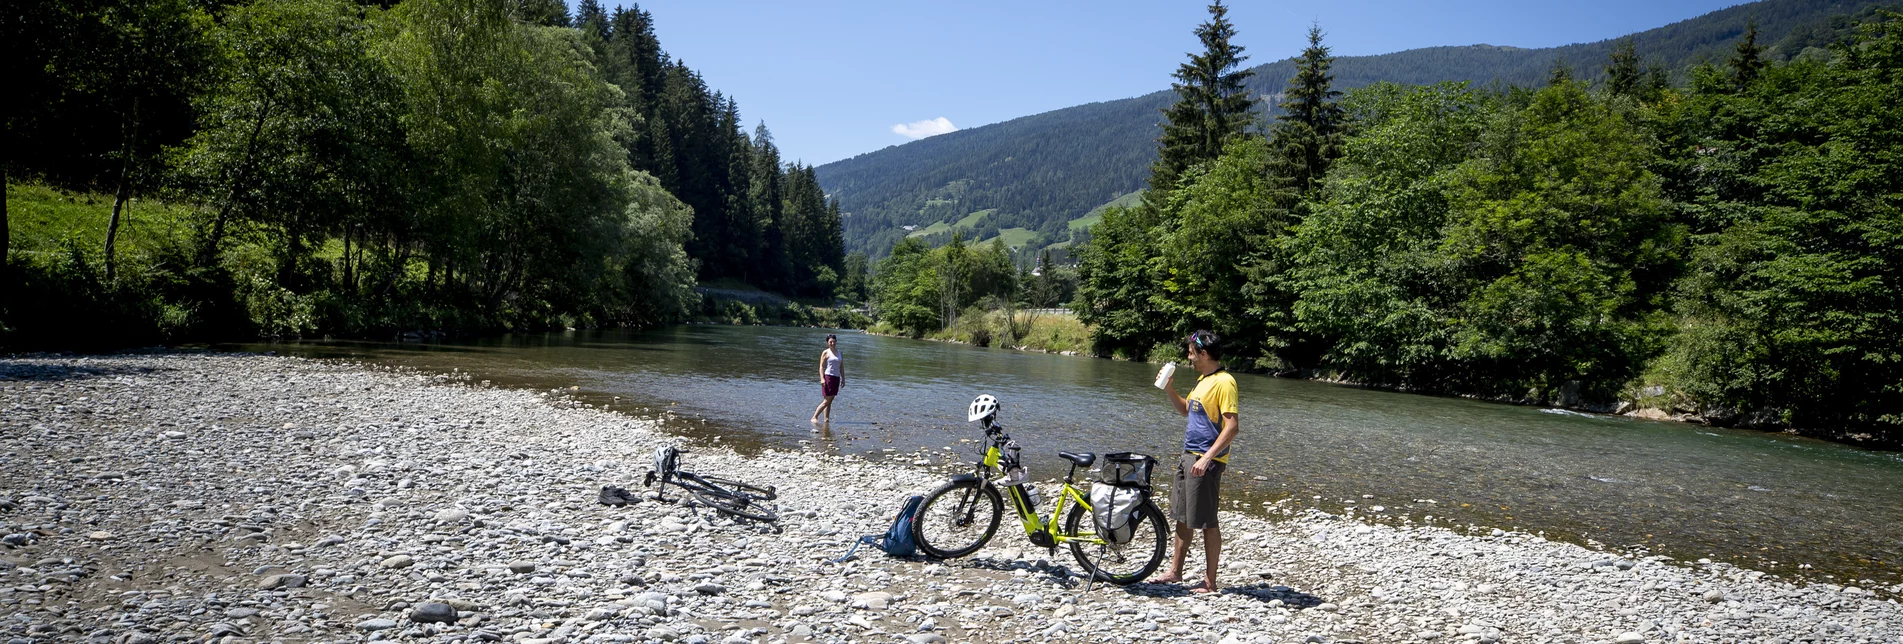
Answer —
1048 333
936 227
43 219
971 220
968 222
1096 214
1016 237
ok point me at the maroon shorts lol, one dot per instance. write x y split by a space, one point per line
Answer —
829 387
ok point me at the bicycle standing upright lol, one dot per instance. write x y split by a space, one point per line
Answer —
962 515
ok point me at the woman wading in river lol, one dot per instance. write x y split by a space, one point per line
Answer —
831 375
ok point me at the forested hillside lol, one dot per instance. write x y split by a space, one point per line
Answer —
1042 171
180 170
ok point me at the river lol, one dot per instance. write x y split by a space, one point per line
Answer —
1783 504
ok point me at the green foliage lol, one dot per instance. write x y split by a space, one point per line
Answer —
1212 106
1044 170
918 289
1791 306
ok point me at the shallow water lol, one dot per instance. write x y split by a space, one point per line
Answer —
1768 501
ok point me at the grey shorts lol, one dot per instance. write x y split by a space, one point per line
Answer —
1193 498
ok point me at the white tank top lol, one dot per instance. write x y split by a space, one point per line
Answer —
832 363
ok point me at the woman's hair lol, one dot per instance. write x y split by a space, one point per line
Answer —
831 336
1206 341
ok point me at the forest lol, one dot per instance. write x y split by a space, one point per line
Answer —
207 170
1040 171
1728 249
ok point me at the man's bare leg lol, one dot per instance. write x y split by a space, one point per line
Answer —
1212 552
1181 547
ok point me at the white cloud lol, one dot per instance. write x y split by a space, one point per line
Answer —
922 129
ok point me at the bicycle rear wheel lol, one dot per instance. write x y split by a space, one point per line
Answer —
1120 563
957 519
753 492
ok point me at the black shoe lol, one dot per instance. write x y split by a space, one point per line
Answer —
615 496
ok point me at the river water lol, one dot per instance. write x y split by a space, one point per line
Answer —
1767 501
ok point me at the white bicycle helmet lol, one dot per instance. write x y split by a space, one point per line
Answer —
982 407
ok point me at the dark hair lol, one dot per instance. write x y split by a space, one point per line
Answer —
830 336
1207 341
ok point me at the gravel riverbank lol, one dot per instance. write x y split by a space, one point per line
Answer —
195 497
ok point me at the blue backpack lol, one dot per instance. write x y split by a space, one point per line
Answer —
897 540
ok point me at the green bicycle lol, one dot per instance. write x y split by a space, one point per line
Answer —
962 515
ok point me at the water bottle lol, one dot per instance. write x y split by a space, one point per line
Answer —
1030 492
1163 375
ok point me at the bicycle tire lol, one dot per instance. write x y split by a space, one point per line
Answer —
954 507
1150 523
753 492
734 504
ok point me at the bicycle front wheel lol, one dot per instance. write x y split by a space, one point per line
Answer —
1120 563
957 519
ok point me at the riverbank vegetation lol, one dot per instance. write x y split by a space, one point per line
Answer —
1730 249
299 167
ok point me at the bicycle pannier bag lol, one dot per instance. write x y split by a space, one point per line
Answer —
1125 487
1114 508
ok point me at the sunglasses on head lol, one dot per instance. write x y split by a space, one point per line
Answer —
1198 339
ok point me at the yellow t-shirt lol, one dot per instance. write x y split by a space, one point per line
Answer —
1214 395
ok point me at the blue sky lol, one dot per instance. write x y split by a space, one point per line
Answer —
834 79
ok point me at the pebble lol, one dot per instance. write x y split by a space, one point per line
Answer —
378 624
433 612
489 495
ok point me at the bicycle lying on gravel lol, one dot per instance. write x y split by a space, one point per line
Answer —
726 495
962 515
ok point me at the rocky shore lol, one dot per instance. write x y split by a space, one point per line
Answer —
241 498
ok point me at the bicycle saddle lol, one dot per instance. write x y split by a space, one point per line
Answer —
1083 459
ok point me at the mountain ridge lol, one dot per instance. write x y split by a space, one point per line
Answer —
1042 170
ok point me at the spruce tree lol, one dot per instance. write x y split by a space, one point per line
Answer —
767 195
592 20
1308 133
1624 74
1748 60
1212 104
1560 73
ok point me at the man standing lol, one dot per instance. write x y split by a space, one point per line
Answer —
1211 409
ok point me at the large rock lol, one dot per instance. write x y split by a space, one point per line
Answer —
433 612
280 581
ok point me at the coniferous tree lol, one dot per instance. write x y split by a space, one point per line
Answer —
548 13
1748 59
1561 72
1624 72
1212 104
592 20
1308 133
766 196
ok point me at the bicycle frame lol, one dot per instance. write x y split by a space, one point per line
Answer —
1028 518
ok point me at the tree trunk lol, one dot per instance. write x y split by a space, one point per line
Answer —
209 254
120 196
6 242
